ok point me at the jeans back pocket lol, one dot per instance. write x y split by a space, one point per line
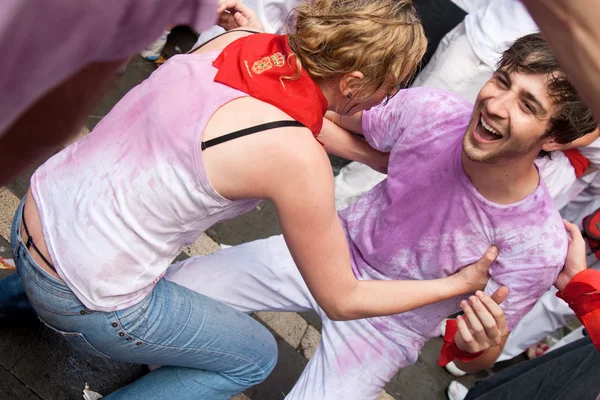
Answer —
78 341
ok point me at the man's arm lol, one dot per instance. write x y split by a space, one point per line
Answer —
339 142
352 123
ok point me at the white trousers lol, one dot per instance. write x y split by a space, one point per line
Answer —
353 360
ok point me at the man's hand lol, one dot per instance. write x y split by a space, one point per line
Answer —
483 324
575 261
235 14
379 161
475 276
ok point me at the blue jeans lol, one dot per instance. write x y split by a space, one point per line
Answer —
208 349
13 300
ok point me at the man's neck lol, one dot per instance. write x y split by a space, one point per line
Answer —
505 183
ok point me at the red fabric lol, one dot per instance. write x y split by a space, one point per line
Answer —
591 230
449 350
256 65
582 294
578 161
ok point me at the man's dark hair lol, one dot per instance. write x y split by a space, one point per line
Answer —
572 119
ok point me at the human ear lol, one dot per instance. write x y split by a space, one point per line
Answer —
349 82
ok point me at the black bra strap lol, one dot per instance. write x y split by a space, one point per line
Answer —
248 131
218 36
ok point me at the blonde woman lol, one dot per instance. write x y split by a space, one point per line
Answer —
105 217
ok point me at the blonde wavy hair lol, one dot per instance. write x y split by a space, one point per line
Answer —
383 39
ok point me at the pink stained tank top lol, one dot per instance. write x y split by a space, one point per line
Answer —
118 205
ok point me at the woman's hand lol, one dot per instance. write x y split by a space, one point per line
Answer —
475 276
575 261
483 324
235 14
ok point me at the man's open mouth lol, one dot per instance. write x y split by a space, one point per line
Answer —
486 132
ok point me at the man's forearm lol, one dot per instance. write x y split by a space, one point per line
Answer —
341 143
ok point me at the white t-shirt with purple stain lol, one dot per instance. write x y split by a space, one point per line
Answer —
427 221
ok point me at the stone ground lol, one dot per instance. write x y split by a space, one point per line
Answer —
38 364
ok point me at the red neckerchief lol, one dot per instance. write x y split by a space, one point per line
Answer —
257 63
579 162
582 294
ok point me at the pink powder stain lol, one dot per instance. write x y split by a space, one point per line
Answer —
360 350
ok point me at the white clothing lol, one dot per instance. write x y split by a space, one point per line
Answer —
560 178
493 27
470 5
455 67
592 153
548 314
354 180
273 14
353 360
570 338
585 203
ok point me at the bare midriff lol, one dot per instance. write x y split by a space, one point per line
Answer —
31 215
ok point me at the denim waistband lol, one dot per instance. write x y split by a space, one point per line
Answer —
27 262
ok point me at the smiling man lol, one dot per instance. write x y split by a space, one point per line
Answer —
460 179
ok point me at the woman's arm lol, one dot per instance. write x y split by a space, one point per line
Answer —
302 190
339 142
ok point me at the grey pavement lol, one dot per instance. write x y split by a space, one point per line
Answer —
38 364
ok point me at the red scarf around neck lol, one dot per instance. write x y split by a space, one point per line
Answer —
256 65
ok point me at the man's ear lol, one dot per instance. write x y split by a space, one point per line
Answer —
550 144
349 81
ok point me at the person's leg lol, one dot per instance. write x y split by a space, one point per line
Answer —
209 350
256 276
570 372
353 362
569 338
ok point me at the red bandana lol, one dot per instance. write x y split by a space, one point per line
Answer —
255 65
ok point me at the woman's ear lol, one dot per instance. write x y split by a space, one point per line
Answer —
350 81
